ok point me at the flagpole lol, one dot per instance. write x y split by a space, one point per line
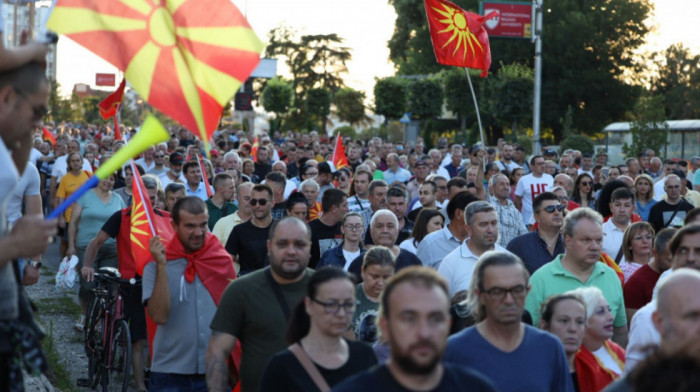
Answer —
476 105
138 187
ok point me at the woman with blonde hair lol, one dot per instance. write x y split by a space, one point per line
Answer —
599 361
637 245
644 195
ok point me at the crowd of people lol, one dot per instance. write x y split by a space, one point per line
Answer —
450 268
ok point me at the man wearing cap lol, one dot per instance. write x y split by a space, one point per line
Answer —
324 179
586 164
422 172
601 158
175 172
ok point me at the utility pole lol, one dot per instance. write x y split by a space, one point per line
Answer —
537 38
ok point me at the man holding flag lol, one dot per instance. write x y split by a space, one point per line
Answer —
182 290
120 226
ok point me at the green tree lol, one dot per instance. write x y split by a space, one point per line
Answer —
390 97
425 98
649 128
346 131
678 82
318 106
457 95
91 113
588 49
578 142
277 98
350 106
511 95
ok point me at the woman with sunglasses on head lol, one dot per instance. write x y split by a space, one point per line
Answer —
344 180
427 221
599 361
318 356
352 227
583 191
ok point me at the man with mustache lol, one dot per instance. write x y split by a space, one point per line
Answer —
580 267
482 233
500 346
415 322
255 308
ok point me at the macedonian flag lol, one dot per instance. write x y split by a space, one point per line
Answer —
340 160
185 57
458 36
142 227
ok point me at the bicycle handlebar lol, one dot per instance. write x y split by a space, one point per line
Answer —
116 279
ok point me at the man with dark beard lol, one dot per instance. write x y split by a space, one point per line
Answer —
255 308
415 322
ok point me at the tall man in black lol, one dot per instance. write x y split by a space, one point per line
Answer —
671 211
247 241
325 230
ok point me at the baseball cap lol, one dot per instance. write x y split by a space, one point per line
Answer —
421 163
325 167
176 158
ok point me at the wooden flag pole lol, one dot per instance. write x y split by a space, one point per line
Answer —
476 105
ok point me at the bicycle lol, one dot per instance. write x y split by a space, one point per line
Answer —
107 336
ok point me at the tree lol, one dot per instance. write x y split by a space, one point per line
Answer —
277 98
588 48
678 82
578 142
511 94
649 128
390 98
315 61
350 106
318 106
457 96
425 98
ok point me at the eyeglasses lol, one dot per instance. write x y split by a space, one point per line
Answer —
356 227
558 207
255 202
39 111
563 199
334 307
585 183
499 293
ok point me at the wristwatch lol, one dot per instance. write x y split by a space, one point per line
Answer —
36 264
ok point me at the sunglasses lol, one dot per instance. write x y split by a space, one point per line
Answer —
550 209
255 202
159 156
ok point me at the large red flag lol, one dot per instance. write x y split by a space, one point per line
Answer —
142 228
340 160
458 36
185 57
110 105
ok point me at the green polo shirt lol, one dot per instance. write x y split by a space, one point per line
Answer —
552 278
216 213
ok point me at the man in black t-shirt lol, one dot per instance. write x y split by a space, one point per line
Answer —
417 342
247 242
325 230
670 212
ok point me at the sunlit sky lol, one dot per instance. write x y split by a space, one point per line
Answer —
366 26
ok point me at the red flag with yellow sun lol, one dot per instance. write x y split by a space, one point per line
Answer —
142 228
185 57
458 36
340 160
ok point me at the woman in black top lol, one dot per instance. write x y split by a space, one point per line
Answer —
316 331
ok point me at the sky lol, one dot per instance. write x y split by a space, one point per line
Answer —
366 26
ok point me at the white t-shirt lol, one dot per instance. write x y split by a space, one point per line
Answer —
60 167
528 188
612 239
349 257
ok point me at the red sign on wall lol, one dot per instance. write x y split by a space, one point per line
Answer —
102 79
514 19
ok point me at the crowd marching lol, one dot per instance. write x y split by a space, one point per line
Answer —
450 268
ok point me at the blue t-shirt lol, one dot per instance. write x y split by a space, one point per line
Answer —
537 365
379 379
94 214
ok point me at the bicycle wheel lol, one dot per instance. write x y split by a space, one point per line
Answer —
94 347
118 369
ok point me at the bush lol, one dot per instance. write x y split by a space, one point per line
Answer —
578 142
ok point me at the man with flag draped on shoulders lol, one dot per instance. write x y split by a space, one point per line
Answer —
182 290
120 226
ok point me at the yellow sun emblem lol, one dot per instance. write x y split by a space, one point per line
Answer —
457 23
